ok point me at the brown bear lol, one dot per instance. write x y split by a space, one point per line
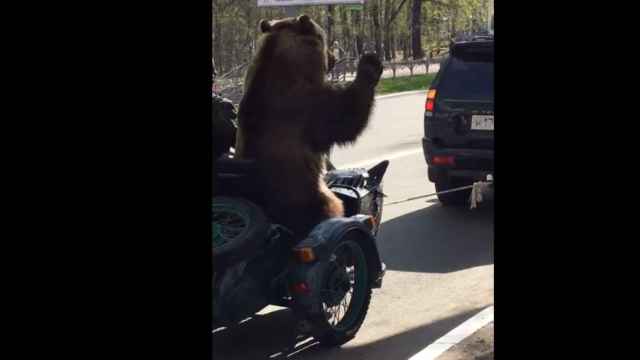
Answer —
290 117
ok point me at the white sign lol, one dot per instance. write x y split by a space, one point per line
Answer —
306 2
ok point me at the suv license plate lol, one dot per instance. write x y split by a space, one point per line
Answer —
482 122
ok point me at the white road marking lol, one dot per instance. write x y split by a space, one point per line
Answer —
390 156
455 336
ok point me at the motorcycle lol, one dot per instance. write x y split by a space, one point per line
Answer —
326 278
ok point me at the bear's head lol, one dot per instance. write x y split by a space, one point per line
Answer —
297 42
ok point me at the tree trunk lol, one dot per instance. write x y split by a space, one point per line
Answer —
217 39
454 30
377 36
387 46
387 29
416 30
406 52
346 33
393 45
357 24
250 16
330 23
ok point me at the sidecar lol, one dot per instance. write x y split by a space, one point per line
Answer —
326 279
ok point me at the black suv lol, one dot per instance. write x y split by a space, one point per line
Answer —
458 120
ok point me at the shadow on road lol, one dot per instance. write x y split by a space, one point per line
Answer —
434 239
258 338
266 336
438 239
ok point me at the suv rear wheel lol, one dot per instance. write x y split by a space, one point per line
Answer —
458 198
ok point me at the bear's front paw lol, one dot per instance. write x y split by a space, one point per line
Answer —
370 68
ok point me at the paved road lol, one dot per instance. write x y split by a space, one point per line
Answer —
439 259
395 127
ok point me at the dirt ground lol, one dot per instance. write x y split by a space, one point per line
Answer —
478 346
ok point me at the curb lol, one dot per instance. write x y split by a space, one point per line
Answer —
456 335
413 92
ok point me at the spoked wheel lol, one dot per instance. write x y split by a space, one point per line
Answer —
227 226
238 228
345 296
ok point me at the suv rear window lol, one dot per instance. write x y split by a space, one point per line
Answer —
468 76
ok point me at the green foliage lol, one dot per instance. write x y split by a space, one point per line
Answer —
235 24
405 83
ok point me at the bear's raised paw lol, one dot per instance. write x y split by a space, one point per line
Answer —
370 68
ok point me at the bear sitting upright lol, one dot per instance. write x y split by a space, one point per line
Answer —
290 117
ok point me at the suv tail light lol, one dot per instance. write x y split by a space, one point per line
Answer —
431 100
444 160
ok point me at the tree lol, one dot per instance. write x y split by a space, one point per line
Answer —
217 34
330 22
359 32
376 30
391 12
406 26
346 32
416 30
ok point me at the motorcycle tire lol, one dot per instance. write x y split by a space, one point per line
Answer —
334 332
239 229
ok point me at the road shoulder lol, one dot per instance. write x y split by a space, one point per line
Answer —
478 346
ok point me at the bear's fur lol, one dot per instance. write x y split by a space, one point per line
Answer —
290 117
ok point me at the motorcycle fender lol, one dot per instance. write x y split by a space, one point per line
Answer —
322 239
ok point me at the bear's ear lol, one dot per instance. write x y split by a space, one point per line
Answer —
265 26
304 19
305 23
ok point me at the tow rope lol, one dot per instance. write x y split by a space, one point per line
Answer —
478 189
